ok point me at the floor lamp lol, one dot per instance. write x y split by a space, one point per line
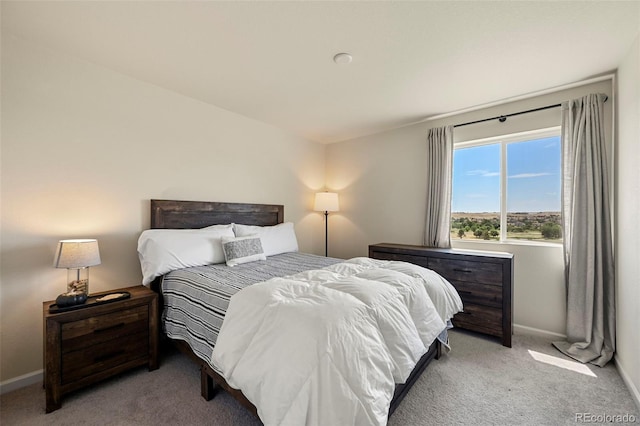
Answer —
326 202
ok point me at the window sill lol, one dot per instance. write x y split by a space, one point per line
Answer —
454 242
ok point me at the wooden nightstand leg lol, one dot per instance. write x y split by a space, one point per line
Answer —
53 400
154 335
52 366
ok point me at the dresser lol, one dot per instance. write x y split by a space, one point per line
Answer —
484 281
89 343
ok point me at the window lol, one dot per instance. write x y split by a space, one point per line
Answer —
508 188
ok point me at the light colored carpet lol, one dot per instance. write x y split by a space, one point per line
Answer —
478 383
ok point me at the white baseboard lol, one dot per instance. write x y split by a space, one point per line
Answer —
635 394
523 329
21 381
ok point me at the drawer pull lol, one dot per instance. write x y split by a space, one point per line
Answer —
465 271
465 292
102 330
108 356
465 313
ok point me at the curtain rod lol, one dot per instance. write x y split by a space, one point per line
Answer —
503 118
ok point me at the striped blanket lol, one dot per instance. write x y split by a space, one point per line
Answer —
196 299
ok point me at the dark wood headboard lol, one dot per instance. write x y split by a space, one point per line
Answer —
174 214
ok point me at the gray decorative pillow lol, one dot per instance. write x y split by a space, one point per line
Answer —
238 250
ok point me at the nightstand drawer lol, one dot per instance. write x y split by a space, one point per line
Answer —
468 271
91 331
479 294
480 318
97 358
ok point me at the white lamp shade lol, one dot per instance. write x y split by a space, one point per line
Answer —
326 202
74 254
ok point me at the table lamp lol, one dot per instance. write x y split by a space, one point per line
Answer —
77 256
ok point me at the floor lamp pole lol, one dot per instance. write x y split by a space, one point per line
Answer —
326 233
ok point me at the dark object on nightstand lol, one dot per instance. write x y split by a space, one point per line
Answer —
70 299
98 340
484 281
96 299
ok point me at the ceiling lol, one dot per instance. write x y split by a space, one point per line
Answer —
272 61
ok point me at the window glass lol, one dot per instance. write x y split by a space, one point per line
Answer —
533 190
476 193
524 197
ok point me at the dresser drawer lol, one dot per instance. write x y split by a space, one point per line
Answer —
417 260
95 330
480 318
479 294
103 356
467 271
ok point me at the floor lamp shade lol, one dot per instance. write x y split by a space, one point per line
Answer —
326 202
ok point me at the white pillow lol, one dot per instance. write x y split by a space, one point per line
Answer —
275 239
165 250
239 250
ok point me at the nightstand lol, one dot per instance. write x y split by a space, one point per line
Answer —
92 343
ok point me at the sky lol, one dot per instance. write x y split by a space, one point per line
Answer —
533 177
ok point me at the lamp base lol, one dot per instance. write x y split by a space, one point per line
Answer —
78 281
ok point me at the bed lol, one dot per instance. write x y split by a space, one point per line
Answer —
171 214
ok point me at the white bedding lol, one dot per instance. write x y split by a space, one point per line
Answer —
326 347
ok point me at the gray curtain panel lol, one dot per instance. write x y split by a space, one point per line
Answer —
587 233
439 183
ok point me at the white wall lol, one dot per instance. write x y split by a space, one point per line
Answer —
85 148
628 215
382 184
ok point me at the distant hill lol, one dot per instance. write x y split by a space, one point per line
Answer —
531 226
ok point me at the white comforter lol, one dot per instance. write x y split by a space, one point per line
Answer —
326 347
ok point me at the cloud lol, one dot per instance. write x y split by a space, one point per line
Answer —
483 173
528 175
